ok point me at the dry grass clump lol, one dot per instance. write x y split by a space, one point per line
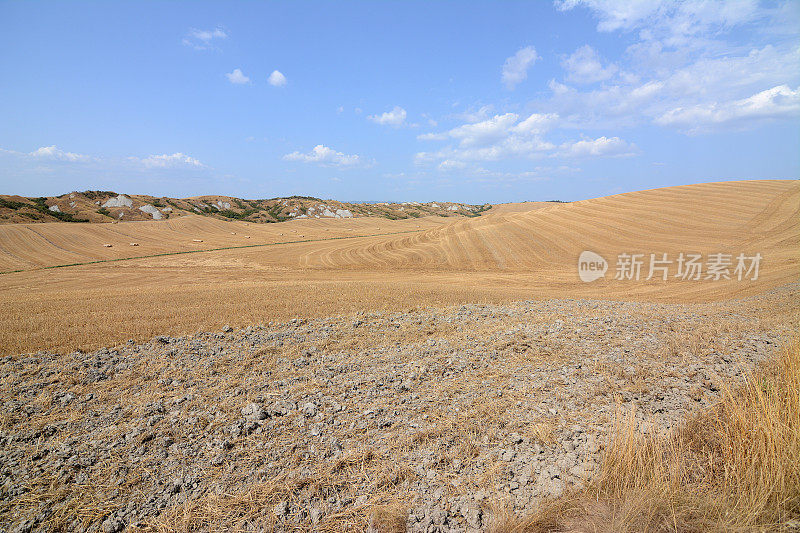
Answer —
382 508
733 467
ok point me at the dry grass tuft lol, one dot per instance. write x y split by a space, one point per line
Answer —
733 467
389 518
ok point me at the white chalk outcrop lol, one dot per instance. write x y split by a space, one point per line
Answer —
120 201
147 208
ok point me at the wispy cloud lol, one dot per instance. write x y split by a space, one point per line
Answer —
237 77
780 102
55 153
674 22
52 157
500 137
175 160
325 156
50 153
600 147
584 66
515 69
684 69
396 117
203 39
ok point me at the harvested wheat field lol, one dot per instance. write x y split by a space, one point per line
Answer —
326 267
432 374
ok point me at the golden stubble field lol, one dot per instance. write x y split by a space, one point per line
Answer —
260 273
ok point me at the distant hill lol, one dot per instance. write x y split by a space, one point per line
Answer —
109 206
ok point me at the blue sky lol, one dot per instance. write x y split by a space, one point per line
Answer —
459 101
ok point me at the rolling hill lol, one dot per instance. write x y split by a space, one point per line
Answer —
108 206
195 272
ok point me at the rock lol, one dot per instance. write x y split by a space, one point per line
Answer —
113 525
578 471
696 393
472 514
437 515
67 399
204 420
554 488
26 526
281 509
309 410
281 408
253 411
227 329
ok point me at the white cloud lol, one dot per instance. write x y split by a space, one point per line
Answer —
686 54
94 170
508 148
537 123
515 69
600 147
54 153
482 113
780 102
175 160
237 77
451 164
584 66
615 15
431 122
500 137
324 156
507 137
673 21
277 79
479 133
700 82
203 39
396 117
497 128
469 173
